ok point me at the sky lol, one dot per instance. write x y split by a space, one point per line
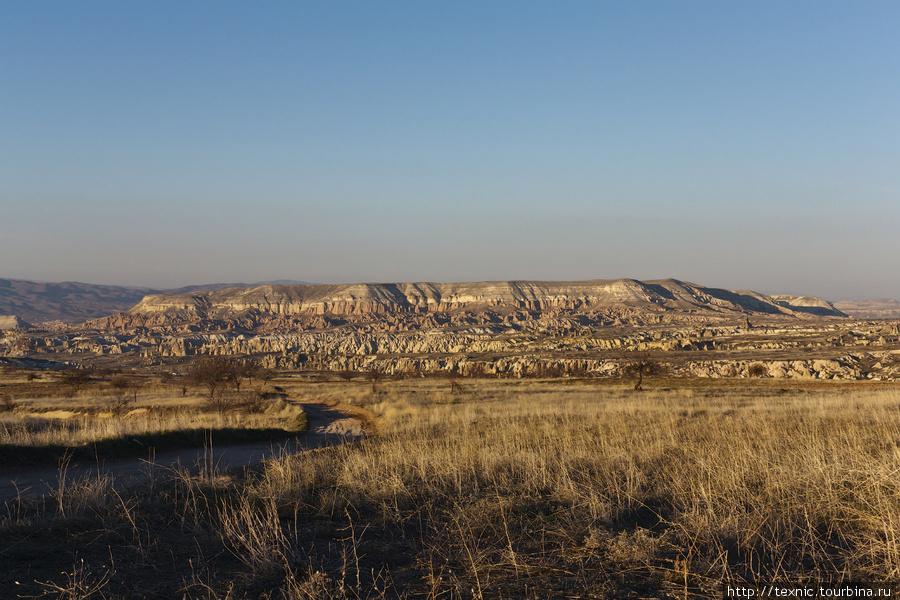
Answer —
742 145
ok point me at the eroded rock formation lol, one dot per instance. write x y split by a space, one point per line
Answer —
423 306
512 329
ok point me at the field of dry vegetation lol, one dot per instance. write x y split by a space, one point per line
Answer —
501 489
109 416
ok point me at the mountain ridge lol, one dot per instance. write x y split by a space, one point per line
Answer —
884 308
75 301
418 304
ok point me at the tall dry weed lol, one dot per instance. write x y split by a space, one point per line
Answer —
746 486
547 490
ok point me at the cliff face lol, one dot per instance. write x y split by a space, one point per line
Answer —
425 305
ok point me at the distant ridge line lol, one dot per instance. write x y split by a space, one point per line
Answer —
77 302
74 301
415 304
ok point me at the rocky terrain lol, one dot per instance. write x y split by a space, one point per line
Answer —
512 329
418 306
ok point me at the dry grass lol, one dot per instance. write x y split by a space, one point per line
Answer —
100 414
78 429
519 491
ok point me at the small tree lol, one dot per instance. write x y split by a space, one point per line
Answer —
374 375
640 367
267 374
576 370
552 371
455 386
251 368
757 370
74 380
216 373
122 386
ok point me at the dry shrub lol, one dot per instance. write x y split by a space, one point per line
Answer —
318 586
757 370
255 535
81 583
79 495
638 548
7 404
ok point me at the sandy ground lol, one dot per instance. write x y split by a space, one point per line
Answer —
326 426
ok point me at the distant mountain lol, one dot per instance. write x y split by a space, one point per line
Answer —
418 305
72 301
67 301
870 309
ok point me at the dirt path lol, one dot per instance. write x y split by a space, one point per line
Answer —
326 426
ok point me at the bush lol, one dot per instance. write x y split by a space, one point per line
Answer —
6 403
254 401
757 370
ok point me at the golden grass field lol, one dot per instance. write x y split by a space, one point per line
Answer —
48 414
505 489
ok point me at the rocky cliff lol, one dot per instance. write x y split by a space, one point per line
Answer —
404 306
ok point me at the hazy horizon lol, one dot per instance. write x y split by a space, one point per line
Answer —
733 145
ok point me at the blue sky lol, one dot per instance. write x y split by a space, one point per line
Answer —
751 145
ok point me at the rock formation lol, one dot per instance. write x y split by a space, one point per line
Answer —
399 306
12 322
506 329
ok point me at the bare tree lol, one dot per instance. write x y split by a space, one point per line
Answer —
265 374
417 371
122 386
75 379
216 373
249 368
642 366
374 375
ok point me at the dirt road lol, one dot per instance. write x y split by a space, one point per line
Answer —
326 425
